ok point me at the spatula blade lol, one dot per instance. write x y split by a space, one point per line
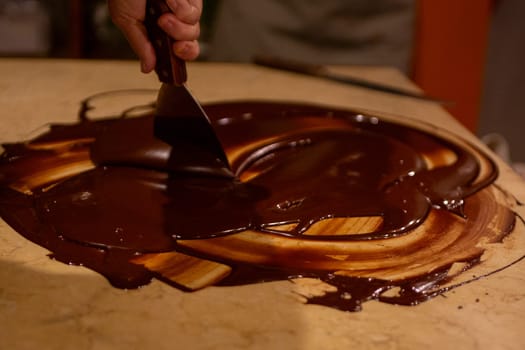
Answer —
182 123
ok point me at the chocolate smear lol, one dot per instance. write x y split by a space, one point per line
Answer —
378 209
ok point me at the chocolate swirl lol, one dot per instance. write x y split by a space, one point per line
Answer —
360 202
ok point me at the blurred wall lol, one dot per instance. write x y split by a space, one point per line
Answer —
503 107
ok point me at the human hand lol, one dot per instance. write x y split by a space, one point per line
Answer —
182 25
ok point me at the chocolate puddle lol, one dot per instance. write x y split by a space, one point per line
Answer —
98 194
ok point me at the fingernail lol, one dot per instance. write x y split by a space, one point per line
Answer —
181 53
143 67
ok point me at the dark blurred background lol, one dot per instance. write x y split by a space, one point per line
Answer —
469 51
66 29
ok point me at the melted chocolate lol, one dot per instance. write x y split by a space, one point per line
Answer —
295 166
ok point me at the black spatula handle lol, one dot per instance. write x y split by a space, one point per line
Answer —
170 68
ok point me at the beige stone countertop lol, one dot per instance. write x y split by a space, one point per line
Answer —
45 304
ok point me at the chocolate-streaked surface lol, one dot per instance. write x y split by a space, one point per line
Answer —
366 205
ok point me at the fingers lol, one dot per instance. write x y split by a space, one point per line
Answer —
177 29
186 35
128 16
187 50
187 11
139 42
183 25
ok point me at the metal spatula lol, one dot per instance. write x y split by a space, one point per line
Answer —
179 119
